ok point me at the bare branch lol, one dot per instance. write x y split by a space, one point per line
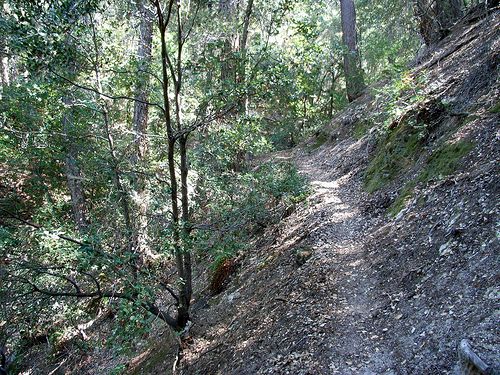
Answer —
171 291
36 226
112 97
148 306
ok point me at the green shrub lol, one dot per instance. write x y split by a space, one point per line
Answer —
240 204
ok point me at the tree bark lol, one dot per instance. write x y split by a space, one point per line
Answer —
140 123
352 62
228 10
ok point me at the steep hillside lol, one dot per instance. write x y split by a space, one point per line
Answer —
393 258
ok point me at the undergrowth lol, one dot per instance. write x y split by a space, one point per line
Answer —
242 205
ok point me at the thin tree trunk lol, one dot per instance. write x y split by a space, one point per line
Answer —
352 62
246 25
140 123
185 215
185 292
332 92
182 253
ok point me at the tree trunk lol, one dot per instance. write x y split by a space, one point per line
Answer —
185 216
74 176
243 105
352 62
435 17
228 10
180 216
140 123
332 92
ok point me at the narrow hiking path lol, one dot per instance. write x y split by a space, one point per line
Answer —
338 287
340 227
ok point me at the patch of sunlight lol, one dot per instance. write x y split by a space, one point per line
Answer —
341 216
325 184
344 248
201 345
356 263
335 200
217 331
353 148
282 157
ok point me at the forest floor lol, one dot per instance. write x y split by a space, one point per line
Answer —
343 287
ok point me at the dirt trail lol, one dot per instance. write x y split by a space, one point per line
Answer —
373 295
340 228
